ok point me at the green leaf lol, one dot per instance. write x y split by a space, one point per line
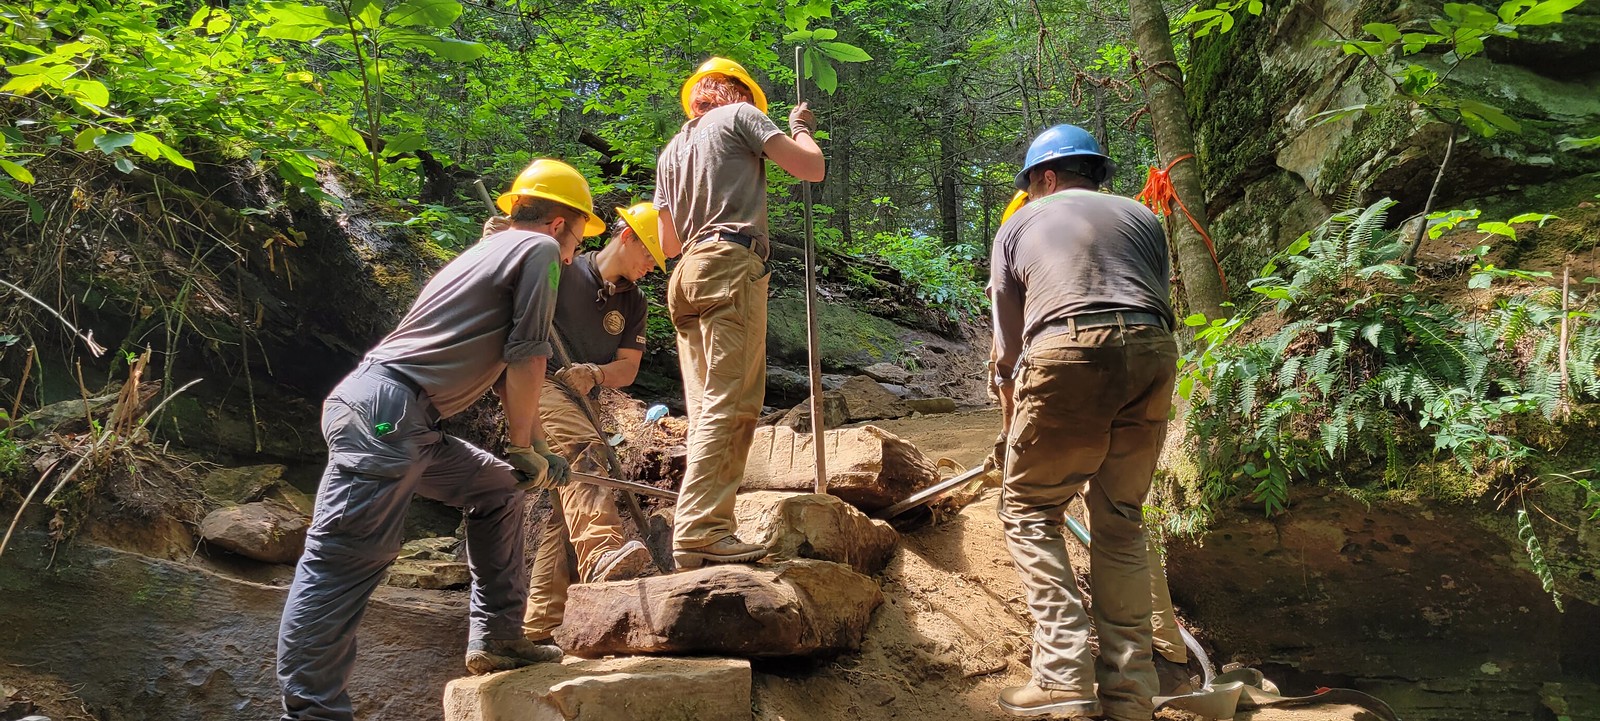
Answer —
92 92
827 79
824 34
309 15
798 36
1186 387
404 143
1540 218
1511 8
1500 229
338 128
1330 116
844 52
459 51
23 175
369 12
1195 320
125 165
1255 7
1480 281
293 31
1575 143
1383 31
425 13
1545 13
85 139
23 84
108 143
1486 119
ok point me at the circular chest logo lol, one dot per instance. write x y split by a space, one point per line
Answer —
613 322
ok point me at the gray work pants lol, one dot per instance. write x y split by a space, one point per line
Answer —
384 445
1091 416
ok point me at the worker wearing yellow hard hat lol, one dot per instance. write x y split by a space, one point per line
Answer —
726 68
483 321
711 190
555 181
600 319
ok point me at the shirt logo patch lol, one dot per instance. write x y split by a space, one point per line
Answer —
613 322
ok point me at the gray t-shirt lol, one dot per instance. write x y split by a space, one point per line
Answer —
713 176
1074 252
596 319
488 308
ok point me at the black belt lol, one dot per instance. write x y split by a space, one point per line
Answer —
397 376
747 241
1107 319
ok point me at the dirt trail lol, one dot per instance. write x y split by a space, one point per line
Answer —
954 630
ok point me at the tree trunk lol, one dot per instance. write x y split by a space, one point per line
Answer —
839 163
949 201
1169 116
1100 132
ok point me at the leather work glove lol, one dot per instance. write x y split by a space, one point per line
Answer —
801 119
997 457
581 377
495 224
544 468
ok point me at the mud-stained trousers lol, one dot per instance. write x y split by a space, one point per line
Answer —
717 298
384 445
593 524
1091 415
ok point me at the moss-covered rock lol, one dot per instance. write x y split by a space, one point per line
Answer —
850 339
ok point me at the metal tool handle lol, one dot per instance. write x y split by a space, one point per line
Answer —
814 357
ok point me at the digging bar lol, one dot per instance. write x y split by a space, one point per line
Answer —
813 347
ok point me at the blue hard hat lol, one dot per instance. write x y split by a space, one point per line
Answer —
1066 141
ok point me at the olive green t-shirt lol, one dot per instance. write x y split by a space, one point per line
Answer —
713 175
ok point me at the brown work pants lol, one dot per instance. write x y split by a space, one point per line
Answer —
593 524
717 298
1091 415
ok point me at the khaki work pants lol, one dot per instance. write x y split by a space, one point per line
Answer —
718 301
1091 415
593 524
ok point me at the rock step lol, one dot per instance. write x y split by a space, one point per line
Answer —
614 689
868 467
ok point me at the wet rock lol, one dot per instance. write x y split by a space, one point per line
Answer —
899 391
140 638
266 531
786 387
634 688
866 400
291 496
243 484
932 405
428 573
868 467
791 608
832 381
820 527
887 373
835 413
443 548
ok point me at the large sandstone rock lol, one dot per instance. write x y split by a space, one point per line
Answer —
427 573
866 400
887 373
927 406
867 466
835 413
241 485
615 689
821 527
792 608
266 531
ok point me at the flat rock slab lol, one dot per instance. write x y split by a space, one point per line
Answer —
867 400
868 467
821 527
615 689
790 608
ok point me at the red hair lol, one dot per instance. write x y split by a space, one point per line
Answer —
715 91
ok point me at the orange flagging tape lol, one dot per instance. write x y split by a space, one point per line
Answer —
1159 195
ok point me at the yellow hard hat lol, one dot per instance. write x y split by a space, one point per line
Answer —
641 217
722 66
554 180
1017 201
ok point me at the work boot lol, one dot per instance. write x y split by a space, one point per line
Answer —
631 561
488 656
1173 677
1032 700
727 550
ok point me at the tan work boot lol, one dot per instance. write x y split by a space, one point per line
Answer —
632 560
1173 678
487 656
727 550
1031 700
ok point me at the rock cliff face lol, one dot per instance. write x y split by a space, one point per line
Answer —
1273 169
